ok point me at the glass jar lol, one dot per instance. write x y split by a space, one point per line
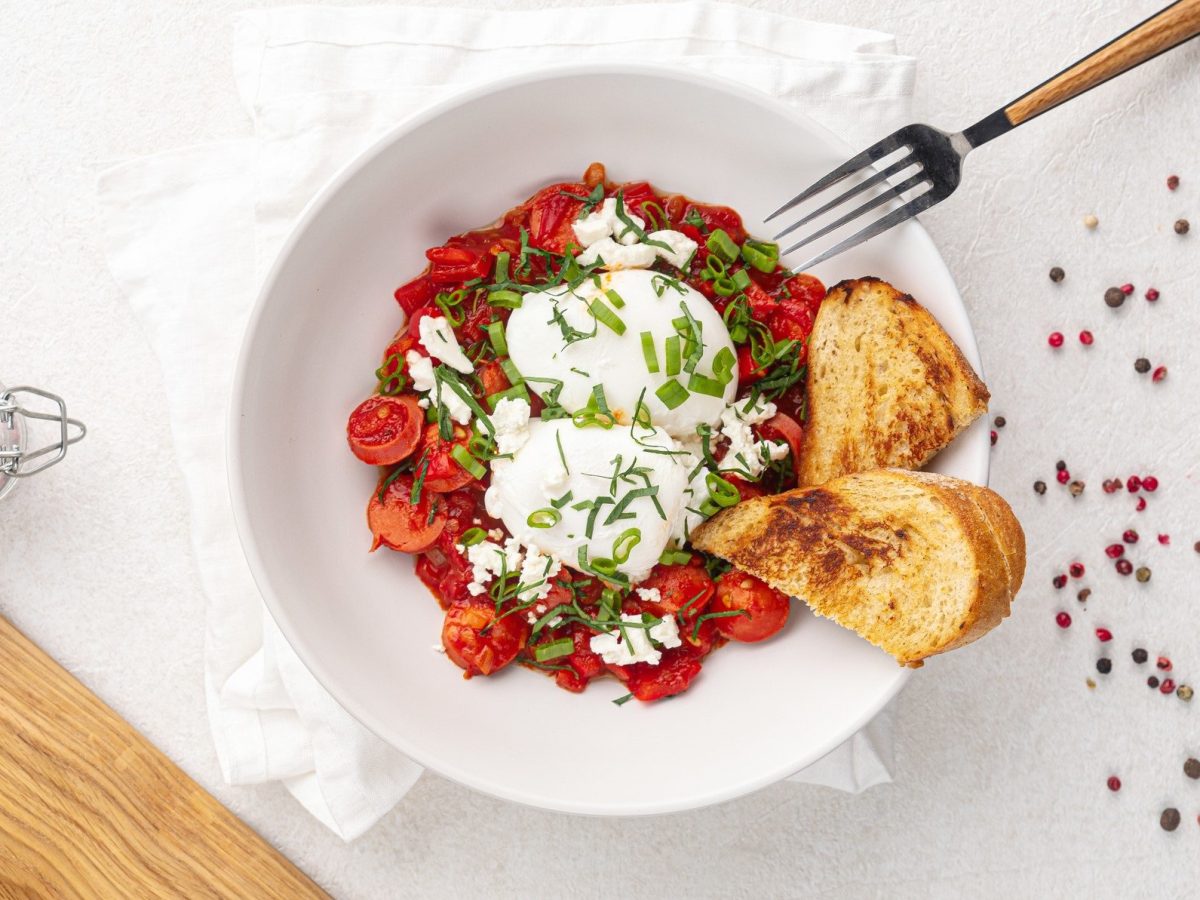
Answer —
19 406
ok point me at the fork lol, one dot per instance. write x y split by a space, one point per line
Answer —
937 155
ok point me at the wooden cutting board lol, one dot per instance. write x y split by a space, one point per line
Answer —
89 808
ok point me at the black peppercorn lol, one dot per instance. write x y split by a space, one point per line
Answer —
1182 226
1057 274
1039 487
1141 365
1152 681
1060 465
1001 421
1191 768
1114 297
1169 820
1140 656
1104 665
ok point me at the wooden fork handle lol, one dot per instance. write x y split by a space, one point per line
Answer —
1164 30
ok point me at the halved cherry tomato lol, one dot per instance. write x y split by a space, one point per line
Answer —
398 523
454 264
480 652
781 426
492 378
584 664
401 343
722 217
762 305
681 587
791 322
383 431
414 320
635 195
766 609
417 292
673 674
443 472
806 289
552 213
746 489
748 370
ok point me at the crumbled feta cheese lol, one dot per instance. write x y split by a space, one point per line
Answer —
555 480
613 650
531 618
745 454
439 340
488 560
536 573
423 403
541 608
682 247
420 367
510 419
650 595
602 222
495 534
666 632
753 411
618 256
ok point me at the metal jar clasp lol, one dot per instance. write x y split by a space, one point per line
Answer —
15 460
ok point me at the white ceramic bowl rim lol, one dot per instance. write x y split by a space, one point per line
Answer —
753 781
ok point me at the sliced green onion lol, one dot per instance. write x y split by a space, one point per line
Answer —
621 701
603 565
506 298
675 558
472 536
391 375
723 364
480 445
648 353
431 414
604 314
722 245
655 215
511 371
713 268
599 401
722 492
673 394
516 392
674 361
741 279
502 259
702 384
554 649
724 286
495 332
546 517
453 314
624 544
763 255
463 457
588 417
615 299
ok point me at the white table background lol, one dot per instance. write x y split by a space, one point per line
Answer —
1002 751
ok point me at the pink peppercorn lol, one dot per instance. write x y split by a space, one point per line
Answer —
1150 483
1164 539
1152 294
1114 551
994 436
1104 635
1063 619
1167 686
1159 374
1134 484
1060 581
1172 182
1130 536
1127 289
1124 567
1076 570
1163 663
1141 504
1112 485
1055 339
1085 338
1063 476
1114 783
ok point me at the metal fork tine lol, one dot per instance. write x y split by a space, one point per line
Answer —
891 194
899 166
895 217
876 151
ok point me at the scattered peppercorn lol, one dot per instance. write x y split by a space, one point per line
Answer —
1114 551
1142 574
1152 294
1086 338
1133 484
1191 768
1039 487
1056 339
1184 692
1164 539
1127 289
1114 297
1060 466
1159 374
1091 685
1083 595
1140 656
1060 581
1104 665
1063 620
1167 686
1090 221
1130 536
1182 226
1169 820
1103 635
1076 488
1076 569
1196 546
1112 485
1163 663
993 437
1141 504
1172 182
1057 274
1141 365
1150 483
1000 421
1152 681
1124 567
1063 476
1114 783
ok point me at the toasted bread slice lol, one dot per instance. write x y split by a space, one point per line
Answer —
916 563
886 384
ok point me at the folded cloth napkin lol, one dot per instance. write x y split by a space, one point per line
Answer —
189 234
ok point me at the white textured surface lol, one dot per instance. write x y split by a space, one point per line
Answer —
1001 750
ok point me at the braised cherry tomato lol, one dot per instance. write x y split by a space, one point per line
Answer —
383 431
762 305
782 427
634 196
790 322
673 674
805 289
418 292
715 217
748 370
680 586
414 321
443 472
398 523
492 377
583 663
552 213
478 651
765 609
451 265
746 489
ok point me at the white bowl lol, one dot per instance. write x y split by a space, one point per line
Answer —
362 622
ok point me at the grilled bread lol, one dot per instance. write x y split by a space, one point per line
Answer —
886 384
916 563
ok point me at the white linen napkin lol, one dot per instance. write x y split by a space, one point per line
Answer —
190 233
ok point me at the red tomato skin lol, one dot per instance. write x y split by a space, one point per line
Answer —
552 213
585 665
398 524
748 370
383 431
492 376
746 489
768 608
805 289
680 586
782 427
674 674
454 264
417 293
443 473
473 650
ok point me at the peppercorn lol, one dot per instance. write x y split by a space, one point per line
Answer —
1182 226
1141 365
993 436
1060 466
1164 539
1140 656
1114 783
1172 182
1152 681
1142 574
1057 274
1130 536
1076 569
1167 686
1039 487
1104 665
1083 595
1195 546
1124 567
1060 581
1152 294
1000 421
1114 551
1127 289
1076 488
1114 297
1169 820
1055 340
1063 620
1141 504
1159 374
1163 663
1086 338
1090 221
1191 767
1133 484
1184 692
1103 635
1063 476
